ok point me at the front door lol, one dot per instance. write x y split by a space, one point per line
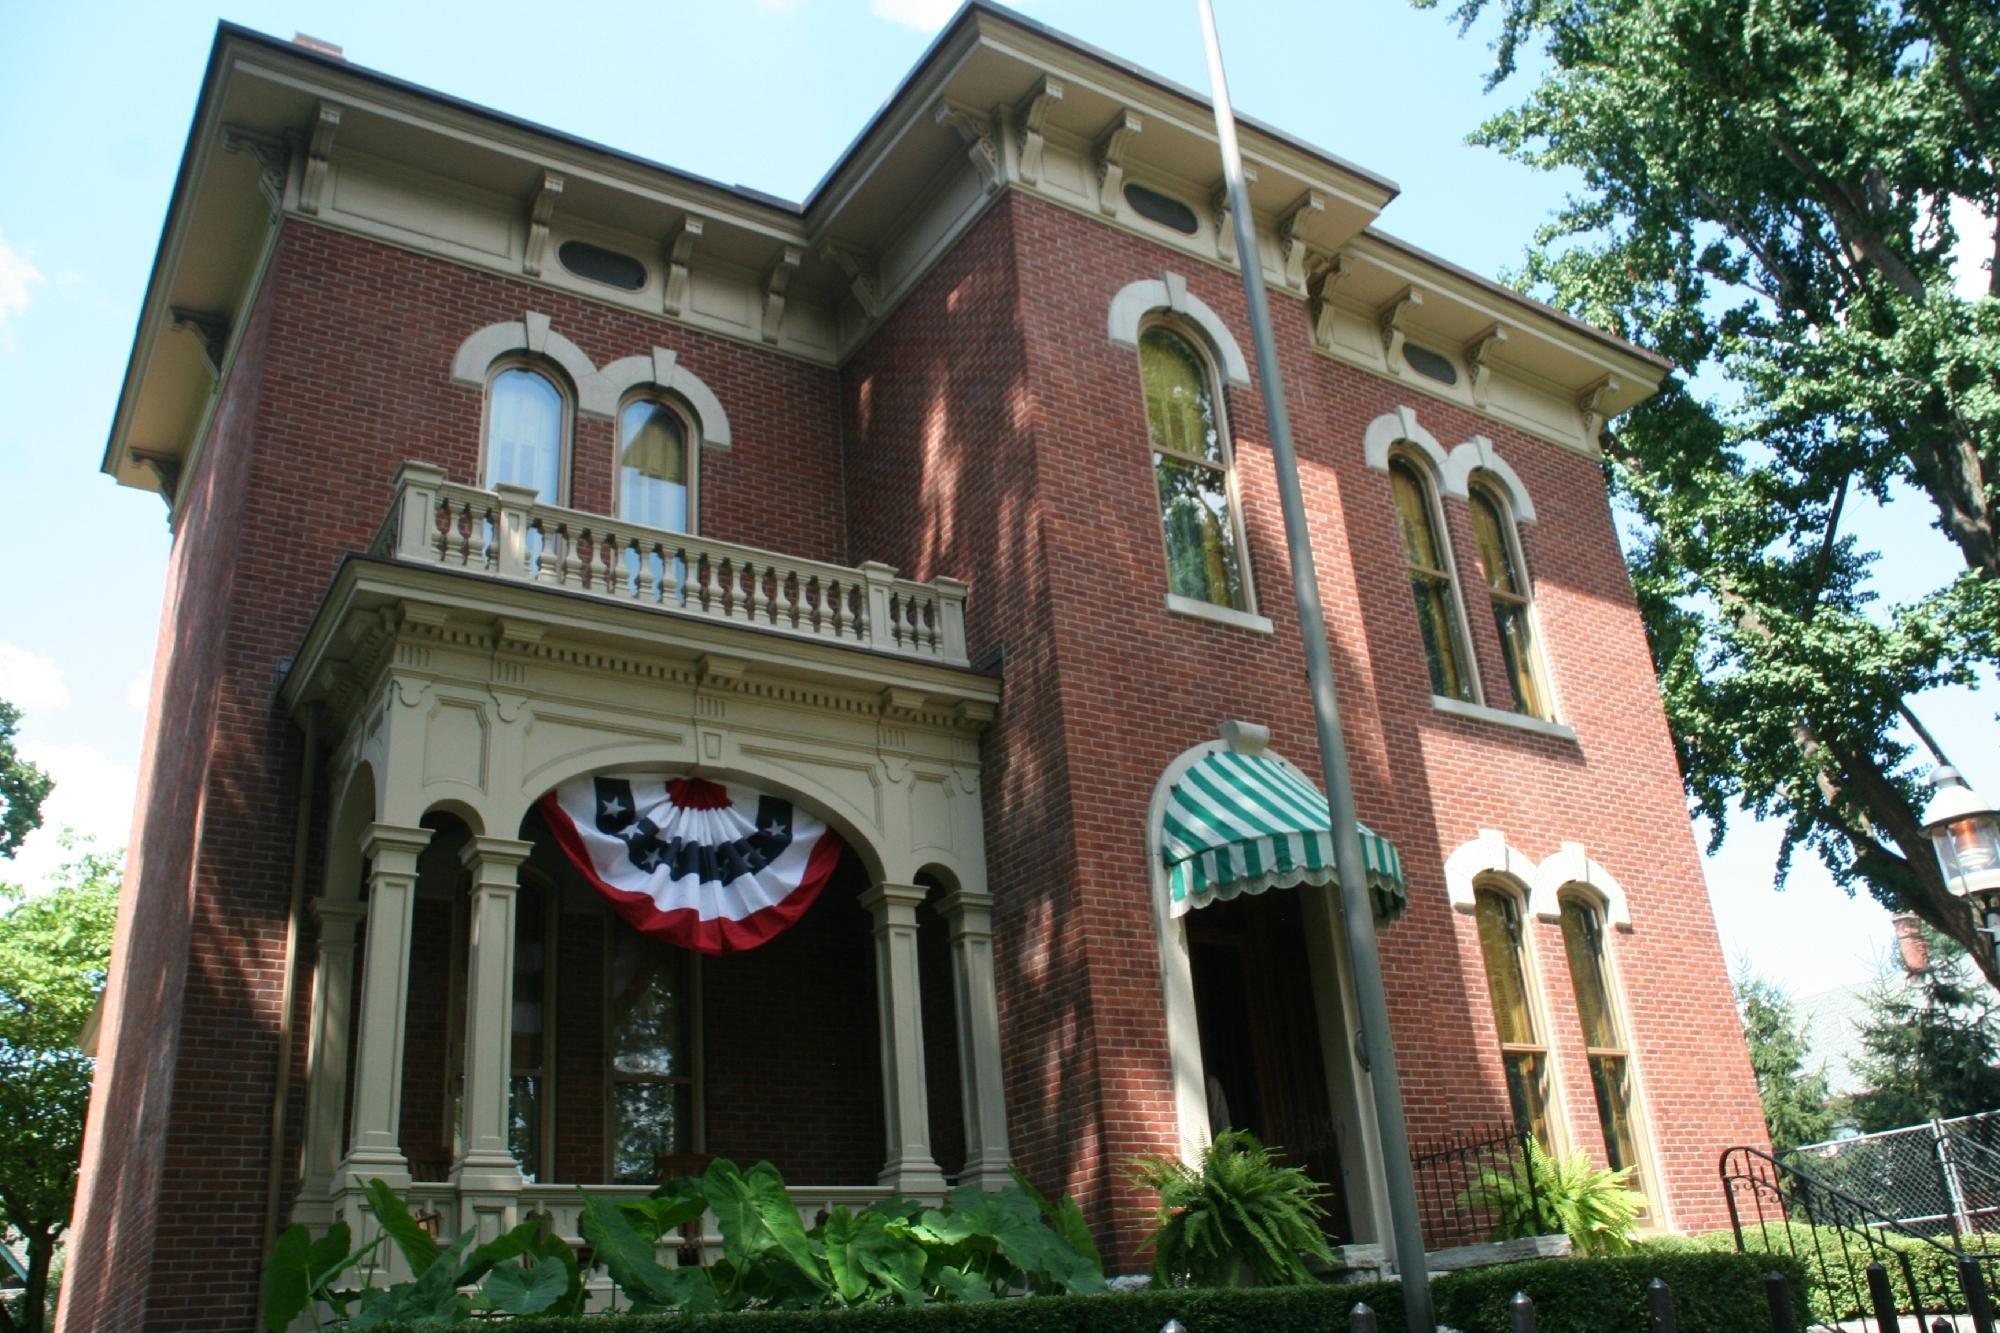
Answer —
1262 1059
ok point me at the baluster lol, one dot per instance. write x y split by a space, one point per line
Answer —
438 530
924 611
545 559
670 574
489 539
609 553
841 618
760 601
781 601
711 601
572 562
897 629
739 580
812 604
642 580
454 539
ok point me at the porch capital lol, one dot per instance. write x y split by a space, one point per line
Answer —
494 861
969 913
394 847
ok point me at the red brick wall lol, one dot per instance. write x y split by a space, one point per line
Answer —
1064 442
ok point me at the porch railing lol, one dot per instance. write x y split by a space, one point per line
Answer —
507 533
1465 1181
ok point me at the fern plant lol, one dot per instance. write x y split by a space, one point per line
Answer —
1240 1219
1589 1204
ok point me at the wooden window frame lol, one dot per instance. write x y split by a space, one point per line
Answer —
1225 440
1521 599
690 434
1645 1175
1516 903
1403 458
566 432
694 1080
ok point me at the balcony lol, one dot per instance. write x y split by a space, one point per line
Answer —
508 534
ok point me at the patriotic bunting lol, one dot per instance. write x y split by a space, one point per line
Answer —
714 868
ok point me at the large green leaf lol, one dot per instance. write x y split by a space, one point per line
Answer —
287 1280
959 1284
759 1221
850 1280
513 1289
522 1240
1065 1217
1014 1223
415 1242
628 1257
432 1299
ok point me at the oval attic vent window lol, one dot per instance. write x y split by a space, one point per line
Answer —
602 265
1430 364
1160 208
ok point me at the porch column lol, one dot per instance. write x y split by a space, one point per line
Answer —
376 1148
969 915
488 1179
326 1052
910 1170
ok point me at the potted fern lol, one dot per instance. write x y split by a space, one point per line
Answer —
1589 1204
1239 1219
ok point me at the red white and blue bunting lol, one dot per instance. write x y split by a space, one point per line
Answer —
714 868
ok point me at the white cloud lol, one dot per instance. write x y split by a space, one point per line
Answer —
93 795
17 275
1975 248
923 15
29 681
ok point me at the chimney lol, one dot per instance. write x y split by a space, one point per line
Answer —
318 46
1913 949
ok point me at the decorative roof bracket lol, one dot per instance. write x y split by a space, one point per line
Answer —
860 278
1478 355
1390 319
1223 215
982 144
272 155
1322 278
1590 403
326 123
680 248
212 327
1032 114
777 277
1292 242
540 211
1109 154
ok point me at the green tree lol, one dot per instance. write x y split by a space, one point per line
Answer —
55 948
1796 1102
1765 199
23 787
1930 1048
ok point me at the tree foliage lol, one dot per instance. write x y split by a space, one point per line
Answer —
23 787
1930 1048
1797 1102
1766 200
55 948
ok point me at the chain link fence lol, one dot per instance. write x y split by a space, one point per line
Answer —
1939 1178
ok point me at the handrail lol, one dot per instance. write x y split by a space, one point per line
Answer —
507 533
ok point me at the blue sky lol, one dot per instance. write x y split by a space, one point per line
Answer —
95 100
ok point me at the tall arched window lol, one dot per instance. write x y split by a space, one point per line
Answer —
1523 1051
1603 1034
655 472
1507 585
1191 463
1430 581
525 424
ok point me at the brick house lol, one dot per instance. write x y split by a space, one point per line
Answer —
930 518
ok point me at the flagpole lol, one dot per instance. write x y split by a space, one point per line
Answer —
1357 913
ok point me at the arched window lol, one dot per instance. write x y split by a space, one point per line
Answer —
1603 1033
655 466
1430 581
1524 1053
1191 464
526 421
1507 585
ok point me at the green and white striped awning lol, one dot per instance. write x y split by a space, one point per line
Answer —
1243 823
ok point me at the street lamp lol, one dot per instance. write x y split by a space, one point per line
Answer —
1965 833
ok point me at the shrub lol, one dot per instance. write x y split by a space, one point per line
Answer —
1589 1204
1836 1264
1713 1293
1239 1216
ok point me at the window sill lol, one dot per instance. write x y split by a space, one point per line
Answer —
1221 615
1500 716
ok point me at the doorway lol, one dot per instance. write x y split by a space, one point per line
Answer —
1263 1060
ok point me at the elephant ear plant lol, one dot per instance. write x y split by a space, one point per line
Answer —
979 1245
525 1271
1240 1219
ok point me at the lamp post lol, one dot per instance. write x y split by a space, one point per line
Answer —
1965 834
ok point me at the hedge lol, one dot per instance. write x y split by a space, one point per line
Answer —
1836 1264
1713 1293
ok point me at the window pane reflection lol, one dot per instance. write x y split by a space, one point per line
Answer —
524 421
653 466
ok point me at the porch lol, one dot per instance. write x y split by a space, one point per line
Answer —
486 1034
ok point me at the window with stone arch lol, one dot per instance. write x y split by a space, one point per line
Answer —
1524 1049
657 464
1194 470
1427 554
1606 1045
526 439
1512 595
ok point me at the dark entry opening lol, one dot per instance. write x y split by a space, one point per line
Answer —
1261 1055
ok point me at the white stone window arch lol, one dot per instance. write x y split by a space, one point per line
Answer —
1477 455
1572 868
531 337
1136 301
661 371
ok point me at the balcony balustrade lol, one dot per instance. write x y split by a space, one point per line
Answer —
507 533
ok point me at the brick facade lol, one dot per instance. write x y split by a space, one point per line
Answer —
1012 433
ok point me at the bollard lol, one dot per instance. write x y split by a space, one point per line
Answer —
1942 1325
1362 1319
1660 1304
1779 1293
1521 1313
1978 1303
1173 1326
1882 1297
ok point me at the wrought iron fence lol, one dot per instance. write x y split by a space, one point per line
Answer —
1861 1263
1942 1177
1467 1181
